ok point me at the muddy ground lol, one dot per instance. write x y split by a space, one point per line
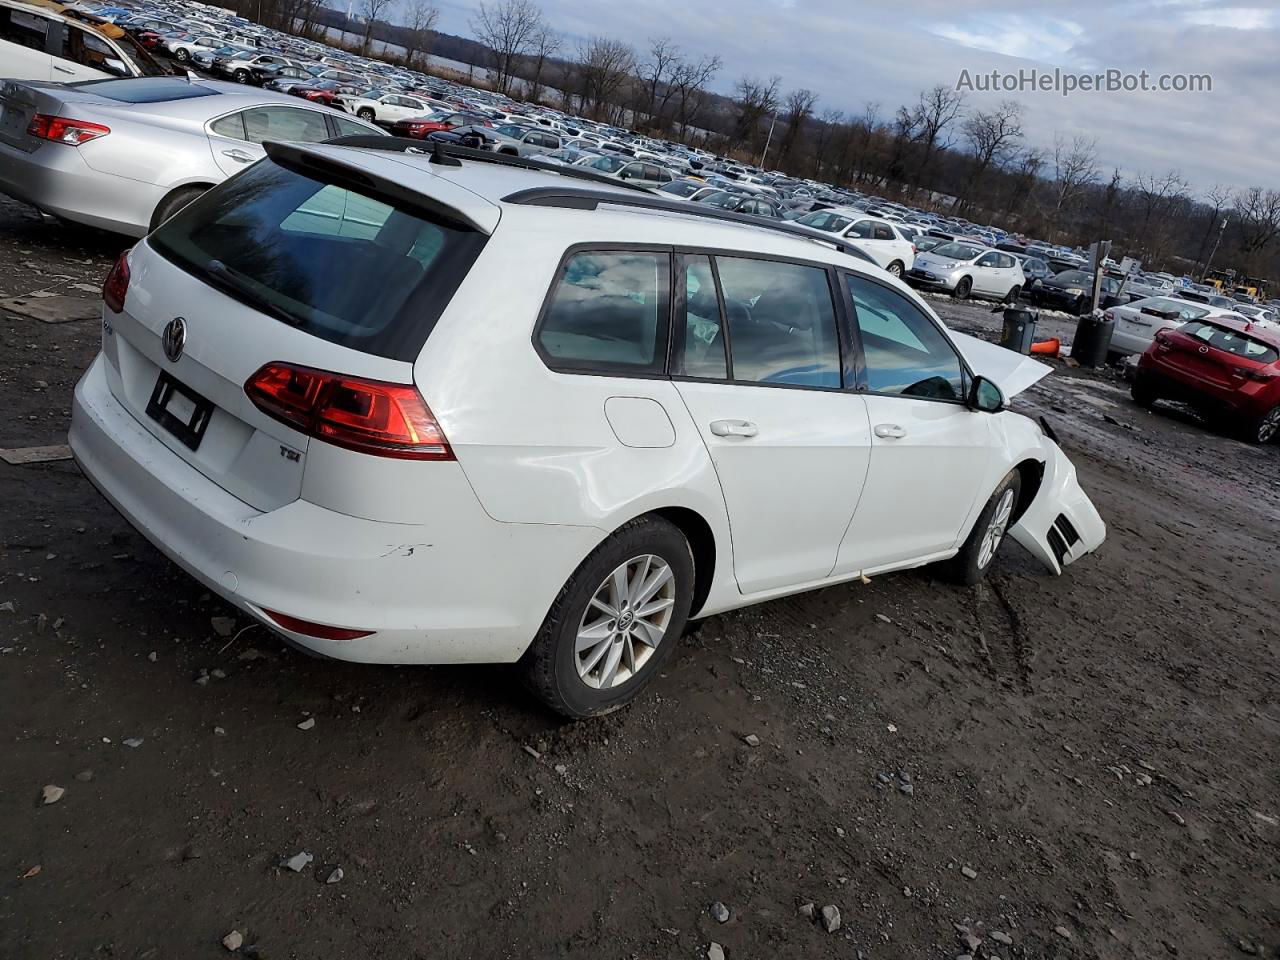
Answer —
1093 760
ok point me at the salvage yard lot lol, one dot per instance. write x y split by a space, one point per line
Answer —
1086 765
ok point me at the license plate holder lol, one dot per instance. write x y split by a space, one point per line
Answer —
180 410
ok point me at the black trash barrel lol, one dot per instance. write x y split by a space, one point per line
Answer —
1019 329
1092 340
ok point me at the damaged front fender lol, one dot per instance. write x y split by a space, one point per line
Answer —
1061 524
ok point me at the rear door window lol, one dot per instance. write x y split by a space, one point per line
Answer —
284 124
904 352
345 266
699 350
781 321
25 29
608 311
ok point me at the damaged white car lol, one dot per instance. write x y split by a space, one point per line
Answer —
403 408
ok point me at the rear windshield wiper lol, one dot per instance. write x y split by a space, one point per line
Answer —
238 286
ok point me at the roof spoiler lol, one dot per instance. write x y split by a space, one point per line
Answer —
335 171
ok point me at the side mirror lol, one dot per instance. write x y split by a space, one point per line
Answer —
985 396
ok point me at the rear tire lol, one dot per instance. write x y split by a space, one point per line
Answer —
964 288
1264 429
1142 391
242 76
593 653
1014 294
174 202
983 543
895 269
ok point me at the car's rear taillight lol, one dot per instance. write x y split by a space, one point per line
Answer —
368 416
65 130
320 630
116 287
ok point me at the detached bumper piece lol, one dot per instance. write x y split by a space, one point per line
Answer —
1061 525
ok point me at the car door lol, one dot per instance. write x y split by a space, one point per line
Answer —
87 55
931 456
757 361
26 44
236 139
863 233
986 274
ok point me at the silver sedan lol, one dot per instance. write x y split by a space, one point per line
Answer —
124 155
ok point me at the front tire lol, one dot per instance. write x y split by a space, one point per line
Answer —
242 76
615 622
365 113
183 55
983 543
964 288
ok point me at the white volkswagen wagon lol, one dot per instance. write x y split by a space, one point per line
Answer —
414 410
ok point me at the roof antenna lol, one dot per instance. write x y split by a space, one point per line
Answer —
441 156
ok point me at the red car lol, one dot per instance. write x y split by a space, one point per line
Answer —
419 127
1223 367
324 92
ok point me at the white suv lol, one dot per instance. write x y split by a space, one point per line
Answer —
446 411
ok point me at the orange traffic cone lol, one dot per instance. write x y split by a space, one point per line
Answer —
1047 347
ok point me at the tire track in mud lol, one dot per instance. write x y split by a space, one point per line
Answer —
1002 640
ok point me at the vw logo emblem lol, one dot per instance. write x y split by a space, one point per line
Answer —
175 338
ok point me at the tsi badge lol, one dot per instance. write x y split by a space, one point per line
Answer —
174 338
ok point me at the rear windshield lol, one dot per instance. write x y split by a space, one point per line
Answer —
350 268
1231 341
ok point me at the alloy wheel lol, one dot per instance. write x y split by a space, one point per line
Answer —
996 529
1269 426
625 620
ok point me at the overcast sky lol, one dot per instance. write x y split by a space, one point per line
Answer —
852 52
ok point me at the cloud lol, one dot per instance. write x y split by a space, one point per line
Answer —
852 52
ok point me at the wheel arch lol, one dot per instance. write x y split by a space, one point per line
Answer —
1031 476
702 543
201 184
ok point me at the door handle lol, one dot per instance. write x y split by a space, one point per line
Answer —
62 69
238 155
734 428
889 431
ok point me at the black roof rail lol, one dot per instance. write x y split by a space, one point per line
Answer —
578 198
444 153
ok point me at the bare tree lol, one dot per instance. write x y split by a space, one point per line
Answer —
827 126
992 135
1259 213
546 44
932 115
507 28
604 67
421 21
663 61
1216 201
1075 167
371 9
689 87
798 109
1028 166
756 99
1157 196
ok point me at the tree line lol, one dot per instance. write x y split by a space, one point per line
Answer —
935 151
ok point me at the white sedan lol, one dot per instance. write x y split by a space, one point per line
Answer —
1137 323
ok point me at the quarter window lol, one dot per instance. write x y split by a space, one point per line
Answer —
905 353
882 232
782 326
609 310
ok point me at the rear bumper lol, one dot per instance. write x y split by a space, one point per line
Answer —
1061 525
55 178
465 589
1124 342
